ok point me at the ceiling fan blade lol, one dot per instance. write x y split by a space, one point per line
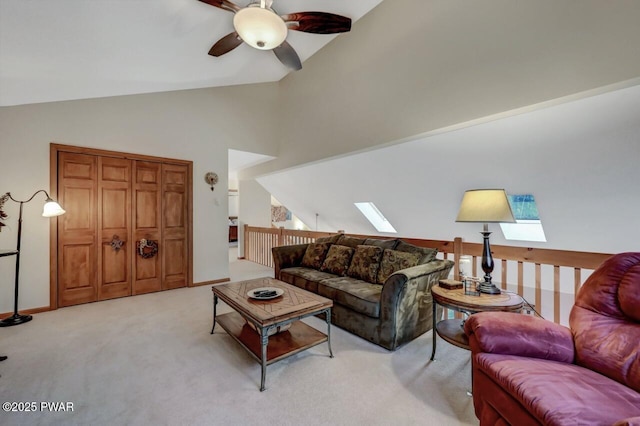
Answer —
226 44
288 56
223 4
317 22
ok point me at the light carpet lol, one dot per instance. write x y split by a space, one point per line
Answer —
151 359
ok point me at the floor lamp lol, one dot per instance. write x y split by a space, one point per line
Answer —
51 209
486 206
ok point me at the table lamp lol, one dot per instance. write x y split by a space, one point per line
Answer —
486 206
51 209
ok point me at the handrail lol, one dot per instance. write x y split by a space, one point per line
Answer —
532 265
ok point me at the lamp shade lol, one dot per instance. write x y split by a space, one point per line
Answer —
260 28
485 206
52 209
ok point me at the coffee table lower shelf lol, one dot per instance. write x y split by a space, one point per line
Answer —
297 338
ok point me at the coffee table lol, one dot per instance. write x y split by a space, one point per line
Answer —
451 330
268 316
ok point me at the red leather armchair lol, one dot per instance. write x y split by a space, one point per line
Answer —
529 371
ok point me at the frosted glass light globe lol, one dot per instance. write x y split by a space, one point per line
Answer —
260 28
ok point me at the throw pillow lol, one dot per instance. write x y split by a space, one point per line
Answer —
350 241
385 244
425 254
392 261
315 254
329 239
338 260
365 263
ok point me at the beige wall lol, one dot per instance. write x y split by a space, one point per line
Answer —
413 66
197 125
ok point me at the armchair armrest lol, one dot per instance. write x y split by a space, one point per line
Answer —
287 256
631 421
515 334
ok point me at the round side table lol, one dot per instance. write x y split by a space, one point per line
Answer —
451 330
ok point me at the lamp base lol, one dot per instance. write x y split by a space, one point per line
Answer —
488 288
15 319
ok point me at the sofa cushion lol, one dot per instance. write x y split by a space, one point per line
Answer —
392 261
305 278
338 260
352 242
315 254
330 239
385 244
365 263
557 393
357 295
425 254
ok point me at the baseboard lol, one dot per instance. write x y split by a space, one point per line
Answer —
222 280
27 311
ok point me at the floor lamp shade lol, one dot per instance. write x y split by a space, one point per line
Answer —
51 209
486 206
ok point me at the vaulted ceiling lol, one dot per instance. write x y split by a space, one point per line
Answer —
79 49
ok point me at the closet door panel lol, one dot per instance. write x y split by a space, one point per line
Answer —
147 200
77 244
114 201
174 252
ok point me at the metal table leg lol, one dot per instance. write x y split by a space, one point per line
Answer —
264 342
215 303
328 318
433 330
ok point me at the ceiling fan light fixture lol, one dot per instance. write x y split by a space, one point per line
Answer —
260 27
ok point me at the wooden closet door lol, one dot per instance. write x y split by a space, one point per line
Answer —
147 224
114 224
174 248
77 245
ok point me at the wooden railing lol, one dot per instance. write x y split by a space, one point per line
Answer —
258 242
547 278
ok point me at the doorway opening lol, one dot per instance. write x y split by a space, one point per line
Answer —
238 161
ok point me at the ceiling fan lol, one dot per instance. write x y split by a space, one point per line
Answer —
261 27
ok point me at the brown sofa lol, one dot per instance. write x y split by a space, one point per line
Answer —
529 371
380 287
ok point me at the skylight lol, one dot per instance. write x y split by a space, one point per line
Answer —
377 219
528 226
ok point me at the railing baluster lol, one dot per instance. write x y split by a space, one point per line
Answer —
520 278
538 302
556 294
504 274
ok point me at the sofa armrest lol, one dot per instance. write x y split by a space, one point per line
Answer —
404 309
287 257
516 334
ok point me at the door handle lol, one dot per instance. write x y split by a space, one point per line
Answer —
116 243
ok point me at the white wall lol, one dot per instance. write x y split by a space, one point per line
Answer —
197 125
234 200
255 208
234 204
579 160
